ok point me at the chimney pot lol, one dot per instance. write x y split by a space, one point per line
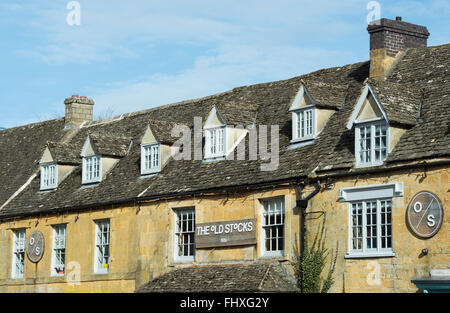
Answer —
75 96
398 18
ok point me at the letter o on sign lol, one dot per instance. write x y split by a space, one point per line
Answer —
35 246
424 214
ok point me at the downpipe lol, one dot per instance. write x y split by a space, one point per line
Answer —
302 204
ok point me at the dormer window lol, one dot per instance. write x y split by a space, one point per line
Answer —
157 146
92 169
100 154
303 124
304 114
151 159
49 176
371 143
215 142
57 162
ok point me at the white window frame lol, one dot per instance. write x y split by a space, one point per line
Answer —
91 177
49 176
364 194
279 221
364 250
183 212
59 249
150 164
102 246
212 143
372 125
18 255
309 130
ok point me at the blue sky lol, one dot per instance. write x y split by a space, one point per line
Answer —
137 54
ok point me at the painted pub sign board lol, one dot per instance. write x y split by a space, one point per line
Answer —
35 246
223 234
424 214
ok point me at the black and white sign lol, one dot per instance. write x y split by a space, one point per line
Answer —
424 214
221 234
35 246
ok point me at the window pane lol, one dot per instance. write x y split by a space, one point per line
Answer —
184 232
273 224
102 245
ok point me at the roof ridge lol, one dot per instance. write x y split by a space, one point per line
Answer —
34 124
213 96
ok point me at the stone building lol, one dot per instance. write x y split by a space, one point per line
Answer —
179 198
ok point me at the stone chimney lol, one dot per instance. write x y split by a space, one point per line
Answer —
78 110
388 38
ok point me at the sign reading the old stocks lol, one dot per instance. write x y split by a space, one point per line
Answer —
222 234
424 214
35 246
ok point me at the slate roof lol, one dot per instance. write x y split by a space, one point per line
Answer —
64 153
21 148
110 145
420 69
162 131
400 101
254 277
235 113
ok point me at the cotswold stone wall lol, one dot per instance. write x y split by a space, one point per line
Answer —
142 242
388 274
142 239
80 243
156 226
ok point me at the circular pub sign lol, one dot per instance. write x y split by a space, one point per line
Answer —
424 214
35 246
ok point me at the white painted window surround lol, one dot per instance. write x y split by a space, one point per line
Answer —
215 142
18 262
59 250
150 158
303 124
370 219
49 176
184 244
371 143
272 232
92 169
102 242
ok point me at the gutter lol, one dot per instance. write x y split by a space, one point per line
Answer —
154 197
423 164
225 189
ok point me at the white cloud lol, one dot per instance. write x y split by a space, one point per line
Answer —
229 67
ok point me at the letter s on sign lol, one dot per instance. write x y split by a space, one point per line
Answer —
431 221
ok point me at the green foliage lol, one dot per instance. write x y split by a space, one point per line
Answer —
313 264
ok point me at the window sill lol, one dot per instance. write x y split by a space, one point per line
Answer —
214 158
370 165
300 143
182 261
47 189
148 175
272 255
90 185
369 255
